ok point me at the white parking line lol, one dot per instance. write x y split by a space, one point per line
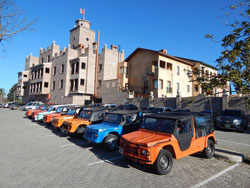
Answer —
50 135
40 129
106 160
233 142
73 144
215 176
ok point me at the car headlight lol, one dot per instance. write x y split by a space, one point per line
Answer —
100 130
236 121
144 152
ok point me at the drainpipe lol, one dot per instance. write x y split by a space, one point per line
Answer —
96 65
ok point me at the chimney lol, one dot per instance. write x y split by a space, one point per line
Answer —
163 51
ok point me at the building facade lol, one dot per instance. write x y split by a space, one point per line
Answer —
68 75
147 72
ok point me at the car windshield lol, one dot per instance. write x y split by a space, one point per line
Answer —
59 109
85 114
113 118
50 108
161 125
29 104
44 108
202 121
157 110
71 112
235 113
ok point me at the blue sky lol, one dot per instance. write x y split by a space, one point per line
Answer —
178 26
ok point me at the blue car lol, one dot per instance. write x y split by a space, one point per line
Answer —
114 125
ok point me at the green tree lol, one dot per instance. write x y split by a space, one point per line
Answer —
2 92
234 61
12 93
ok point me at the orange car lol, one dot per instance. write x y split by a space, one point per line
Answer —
31 111
86 117
71 113
59 111
166 135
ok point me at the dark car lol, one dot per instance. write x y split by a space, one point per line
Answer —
232 119
211 114
127 107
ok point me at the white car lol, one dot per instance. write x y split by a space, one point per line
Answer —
31 105
109 106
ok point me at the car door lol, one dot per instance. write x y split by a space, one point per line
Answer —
184 133
131 123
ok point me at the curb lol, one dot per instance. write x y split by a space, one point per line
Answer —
229 155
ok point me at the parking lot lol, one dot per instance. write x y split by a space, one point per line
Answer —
33 155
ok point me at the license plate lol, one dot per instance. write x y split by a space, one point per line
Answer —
227 125
121 150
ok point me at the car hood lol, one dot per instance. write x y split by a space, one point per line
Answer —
104 126
53 114
64 117
147 138
78 121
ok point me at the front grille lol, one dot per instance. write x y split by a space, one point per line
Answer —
131 149
89 134
65 126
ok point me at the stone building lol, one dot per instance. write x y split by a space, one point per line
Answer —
68 75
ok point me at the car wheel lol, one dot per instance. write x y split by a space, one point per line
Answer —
164 162
111 142
208 152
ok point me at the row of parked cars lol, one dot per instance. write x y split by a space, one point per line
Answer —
152 136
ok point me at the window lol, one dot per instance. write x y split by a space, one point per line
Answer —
178 70
77 67
41 72
87 39
54 71
121 70
48 58
196 88
71 85
126 70
62 68
169 66
188 72
41 60
61 84
47 70
46 84
72 68
100 67
53 85
160 84
82 82
155 84
162 64
169 89
188 88
25 75
76 84
178 86
83 65
184 126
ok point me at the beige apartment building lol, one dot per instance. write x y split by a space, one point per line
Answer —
68 75
147 72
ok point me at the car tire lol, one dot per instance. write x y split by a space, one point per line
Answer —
111 142
163 163
208 152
